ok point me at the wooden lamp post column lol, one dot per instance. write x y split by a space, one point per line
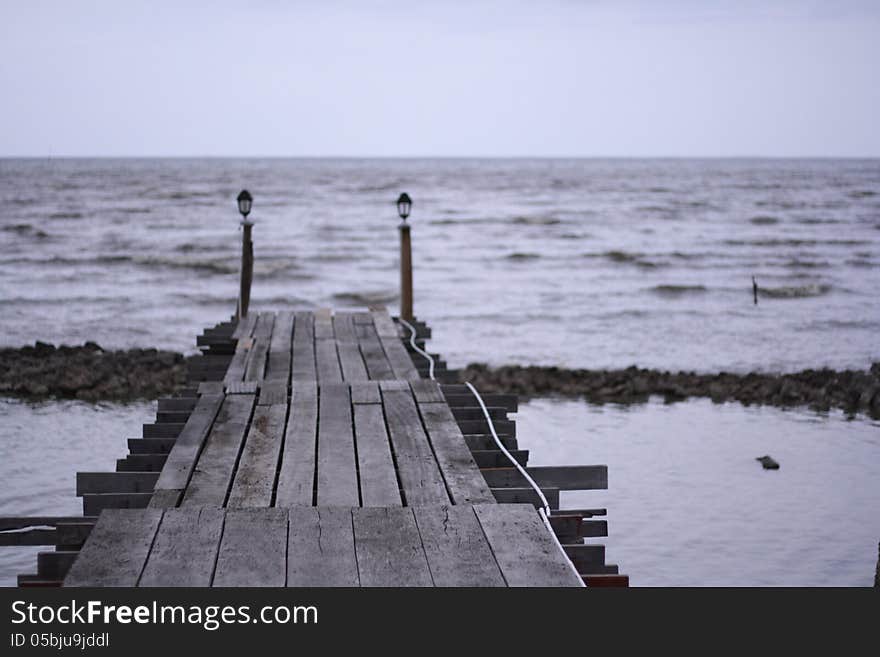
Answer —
404 204
245 201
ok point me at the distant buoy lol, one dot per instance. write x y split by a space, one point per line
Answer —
768 463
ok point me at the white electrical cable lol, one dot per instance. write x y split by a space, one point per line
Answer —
544 511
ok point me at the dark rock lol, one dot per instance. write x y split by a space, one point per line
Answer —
768 463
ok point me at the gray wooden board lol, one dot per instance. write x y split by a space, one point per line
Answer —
378 478
115 482
527 495
353 368
185 548
418 470
385 326
327 361
280 348
116 550
253 551
210 388
457 551
563 477
463 479
388 547
212 475
182 457
365 393
523 547
165 499
401 363
273 392
427 391
242 388
254 481
256 367
320 547
343 327
238 364
303 364
296 477
360 318
378 367
337 473
245 326
324 324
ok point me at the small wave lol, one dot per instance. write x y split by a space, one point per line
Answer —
775 243
209 266
66 215
26 230
366 298
764 220
795 292
135 210
536 221
625 257
797 263
816 221
678 290
522 257
862 193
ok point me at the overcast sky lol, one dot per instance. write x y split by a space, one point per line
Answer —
444 78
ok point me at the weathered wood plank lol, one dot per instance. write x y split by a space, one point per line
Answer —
456 548
327 361
242 388
485 441
296 478
280 348
182 458
388 547
212 476
303 365
245 326
320 547
495 458
255 478
256 367
463 479
337 473
365 393
378 367
417 469
353 368
378 478
94 503
343 327
324 324
427 391
385 326
185 548
253 550
273 392
116 550
523 547
115 482
526 495
563 477
401 363
508 402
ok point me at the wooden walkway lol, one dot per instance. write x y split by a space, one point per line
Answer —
310 451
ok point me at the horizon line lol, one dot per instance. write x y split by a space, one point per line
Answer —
438 157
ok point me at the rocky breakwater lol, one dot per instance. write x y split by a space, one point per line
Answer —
821 389
89 372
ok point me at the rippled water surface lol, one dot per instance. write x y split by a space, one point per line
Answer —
579 263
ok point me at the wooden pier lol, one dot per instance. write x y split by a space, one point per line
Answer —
311 449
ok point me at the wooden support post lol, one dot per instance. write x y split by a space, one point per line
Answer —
406 289
247 270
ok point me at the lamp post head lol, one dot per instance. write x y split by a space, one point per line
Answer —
404 204
245 200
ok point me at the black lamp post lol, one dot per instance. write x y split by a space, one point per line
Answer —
245 200
404 205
